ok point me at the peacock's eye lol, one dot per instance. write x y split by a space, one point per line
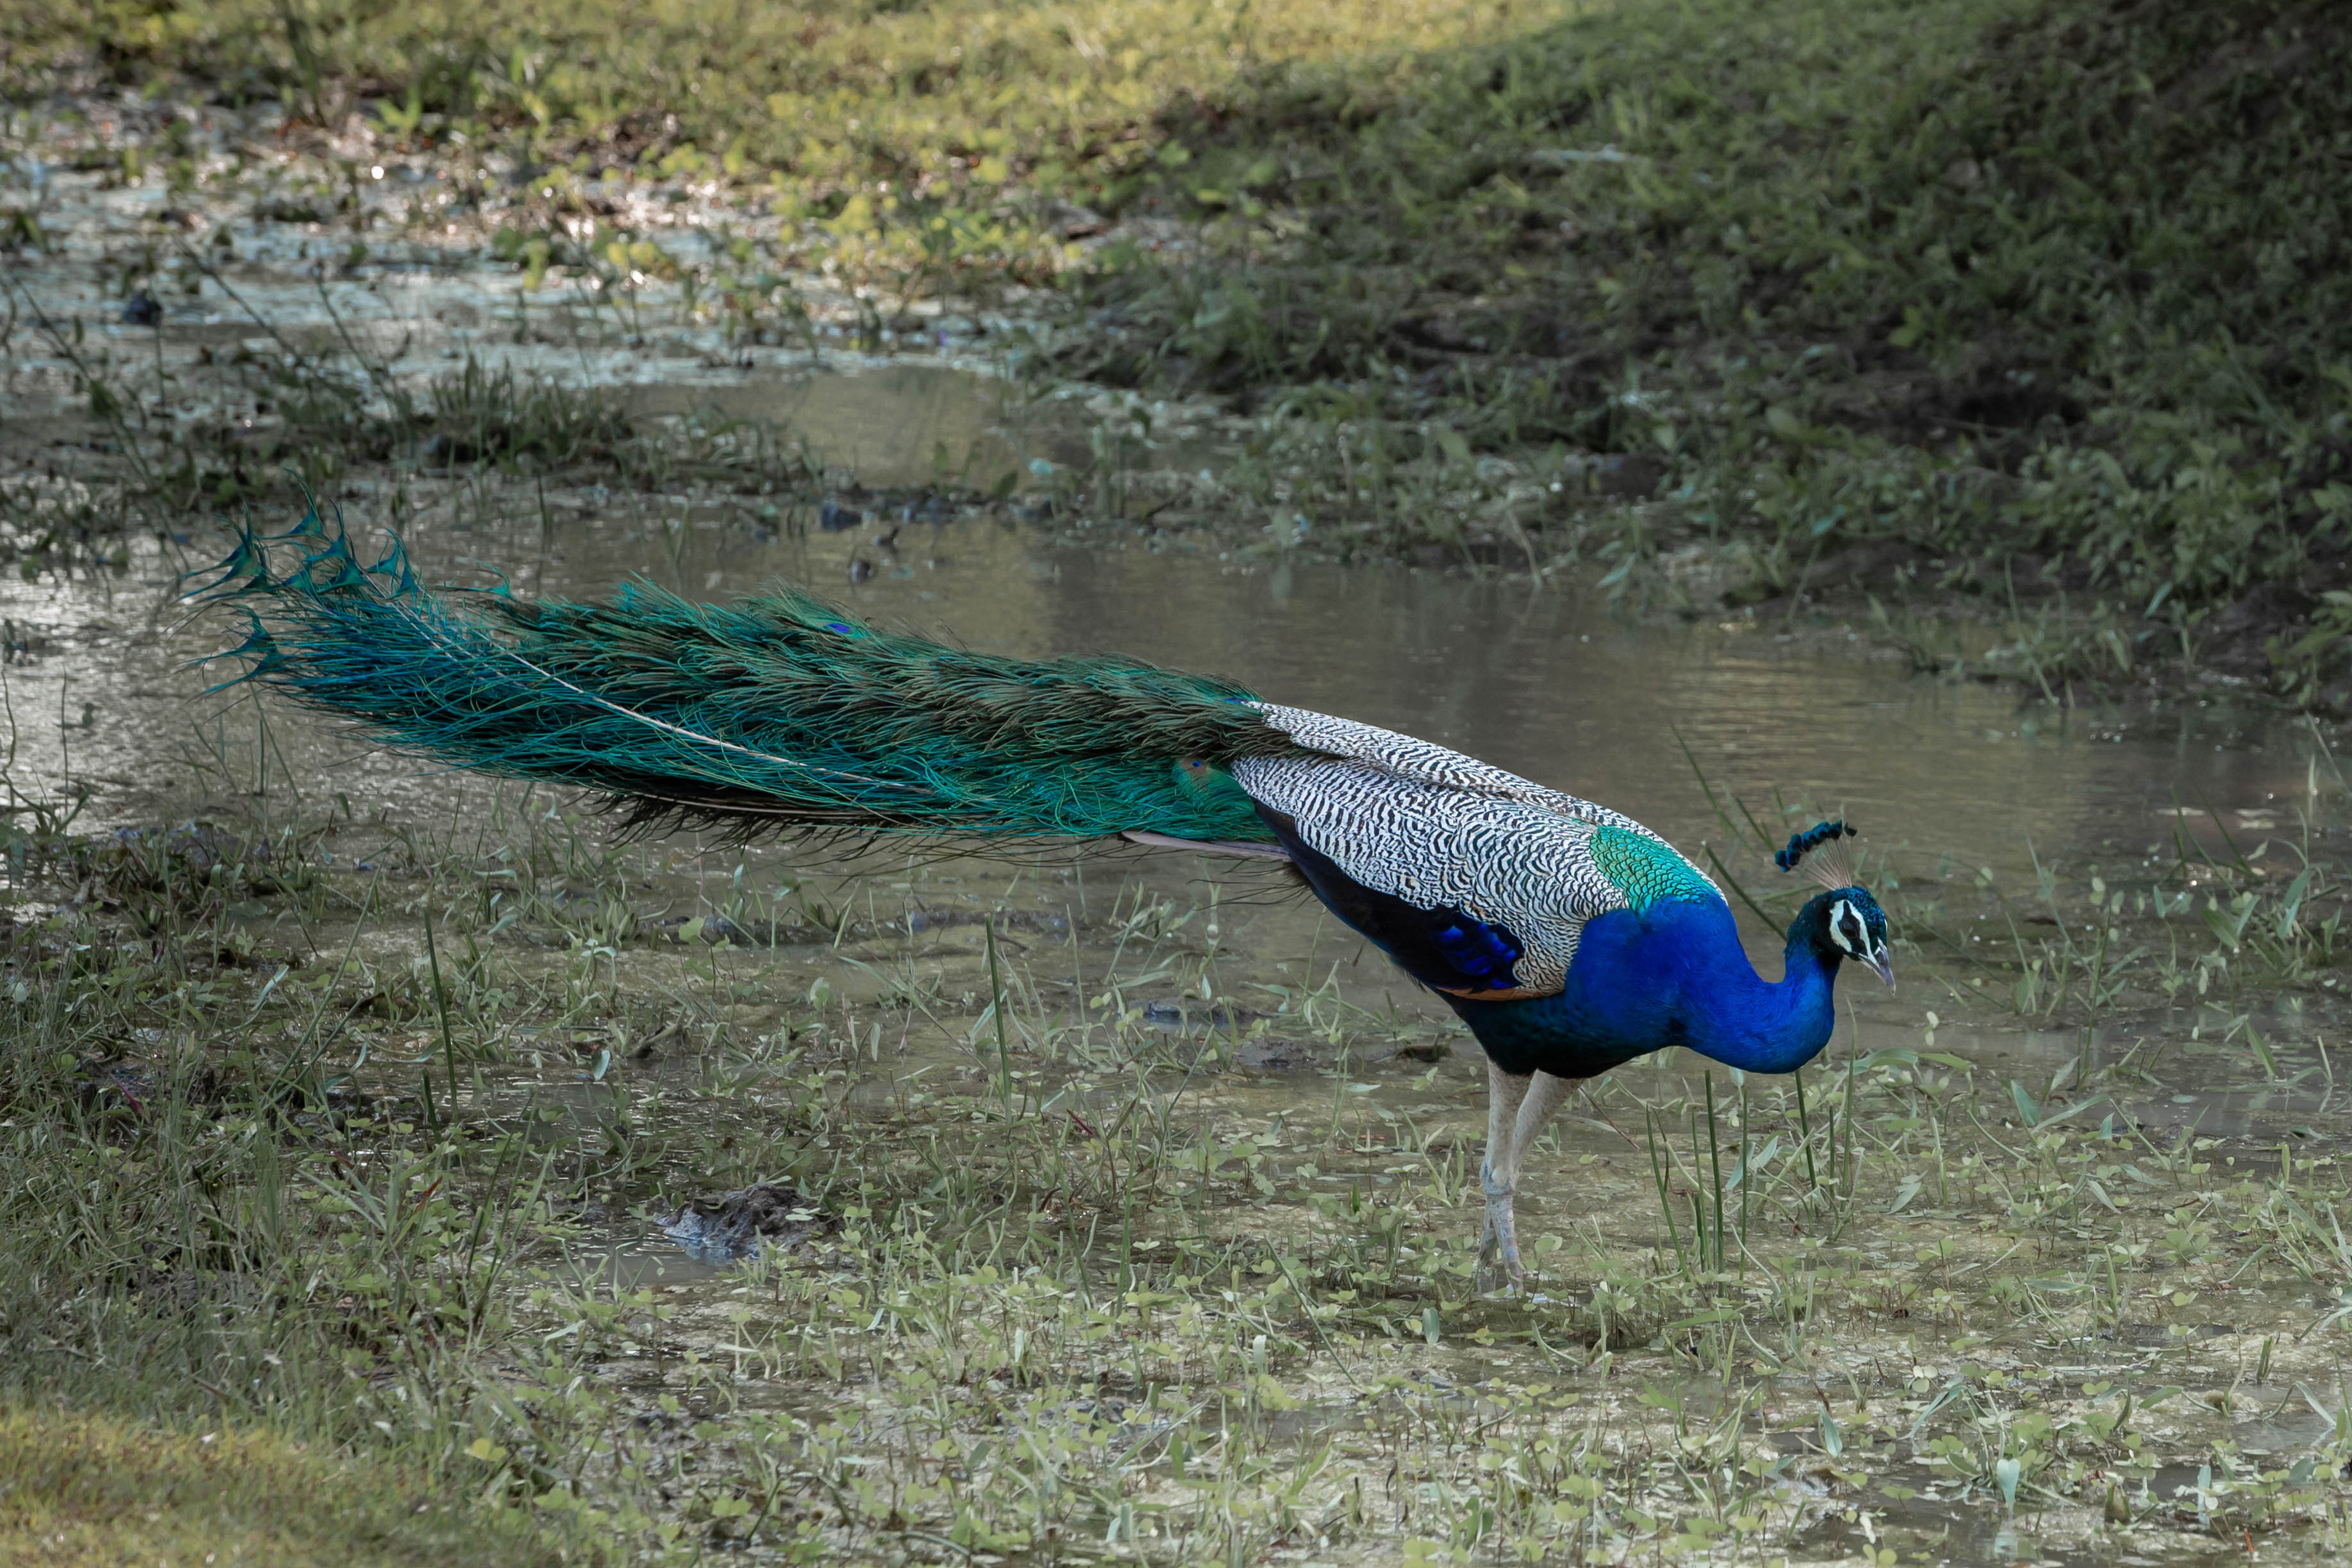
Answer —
1849 930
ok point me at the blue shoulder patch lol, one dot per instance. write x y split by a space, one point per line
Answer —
1482 954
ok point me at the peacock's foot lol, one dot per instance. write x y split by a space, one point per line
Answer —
1499 1267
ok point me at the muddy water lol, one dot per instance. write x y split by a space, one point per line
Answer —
1545 683
392 259
1540 680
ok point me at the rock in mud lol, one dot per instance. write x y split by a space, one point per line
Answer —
1273 1054
200 846
1195 1016
1630 476
748 1223
114 1084
176 860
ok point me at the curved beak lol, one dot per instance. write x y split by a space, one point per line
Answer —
1883 967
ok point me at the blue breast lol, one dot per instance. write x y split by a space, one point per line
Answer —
1674 974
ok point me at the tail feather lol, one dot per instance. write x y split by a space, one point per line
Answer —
775 712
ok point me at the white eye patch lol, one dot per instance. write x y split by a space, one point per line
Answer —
1847 931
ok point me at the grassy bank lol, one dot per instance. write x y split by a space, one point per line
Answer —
2042 303
2044 298
79 1488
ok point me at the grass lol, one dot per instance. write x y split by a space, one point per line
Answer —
79 1488
276 1168
1991 298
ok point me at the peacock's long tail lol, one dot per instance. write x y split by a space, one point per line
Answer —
773 714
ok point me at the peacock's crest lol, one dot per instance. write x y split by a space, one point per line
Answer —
1843 913
1820 852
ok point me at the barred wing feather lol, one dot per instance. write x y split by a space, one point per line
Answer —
1411 757
1446 834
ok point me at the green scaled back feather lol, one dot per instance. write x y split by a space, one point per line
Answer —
778 712
1646 870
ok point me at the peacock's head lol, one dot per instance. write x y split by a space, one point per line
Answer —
1843 920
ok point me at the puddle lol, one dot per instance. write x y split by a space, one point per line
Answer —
895 425
1541 682
640 1265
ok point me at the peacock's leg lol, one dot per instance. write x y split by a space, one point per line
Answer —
1543 1097
1498 1242
1542 1094
1517 1111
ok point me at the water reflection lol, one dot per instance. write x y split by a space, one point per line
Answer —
1549 684
898 424
102 691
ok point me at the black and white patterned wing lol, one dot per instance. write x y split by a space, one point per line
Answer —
1402 819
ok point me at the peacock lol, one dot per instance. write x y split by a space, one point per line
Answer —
1568 937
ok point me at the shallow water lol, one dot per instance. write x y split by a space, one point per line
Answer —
1542 681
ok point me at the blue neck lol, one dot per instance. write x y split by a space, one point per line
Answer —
1673 974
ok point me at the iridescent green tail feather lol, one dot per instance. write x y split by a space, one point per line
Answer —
775 712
